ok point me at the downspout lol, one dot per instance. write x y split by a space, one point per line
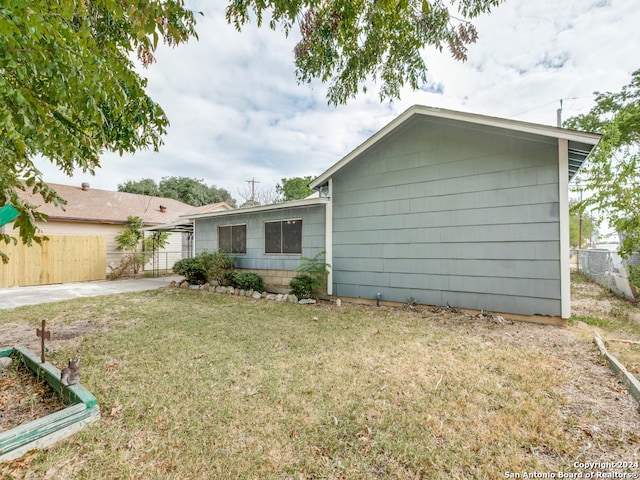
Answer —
193 239
328 236
563 186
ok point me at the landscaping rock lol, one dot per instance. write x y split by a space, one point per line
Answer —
231 290
279 297
184 284
5 362
338 302
291 298
307 301
173 283
221 289
242 292
256 295
270 296
264 294
250 293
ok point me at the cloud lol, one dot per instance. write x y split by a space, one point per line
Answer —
237 111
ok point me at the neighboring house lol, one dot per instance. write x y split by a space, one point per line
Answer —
439 207
91 211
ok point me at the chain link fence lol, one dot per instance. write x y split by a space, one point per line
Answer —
608 269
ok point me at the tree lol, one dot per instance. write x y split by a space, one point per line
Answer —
193 191
188 190
146 186
295 188
347 43
69 90
575 216
131 239
612 172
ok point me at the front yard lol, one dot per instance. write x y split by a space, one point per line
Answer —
198 385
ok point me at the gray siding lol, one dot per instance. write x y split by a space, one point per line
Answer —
313 233
451 213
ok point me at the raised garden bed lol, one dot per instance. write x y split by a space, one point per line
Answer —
82 410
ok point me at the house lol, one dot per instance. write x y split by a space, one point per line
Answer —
439 207
95 212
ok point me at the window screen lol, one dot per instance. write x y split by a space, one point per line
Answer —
232 238
283 237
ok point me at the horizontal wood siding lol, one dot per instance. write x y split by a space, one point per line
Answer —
313 233
451 214
60 259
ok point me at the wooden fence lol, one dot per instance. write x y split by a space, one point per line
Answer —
61 259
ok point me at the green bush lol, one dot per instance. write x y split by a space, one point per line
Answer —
313 276
192 269
303 286
206 266
218 264
248 281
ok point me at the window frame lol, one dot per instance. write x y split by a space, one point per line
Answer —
282 240
232 243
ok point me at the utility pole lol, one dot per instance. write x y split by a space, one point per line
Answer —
253 182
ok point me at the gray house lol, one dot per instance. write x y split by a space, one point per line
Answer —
443 207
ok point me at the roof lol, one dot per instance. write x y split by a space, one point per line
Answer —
306 202
580 143
92 205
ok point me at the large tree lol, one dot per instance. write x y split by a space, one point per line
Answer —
192 191
347 42
69 89
612 174
294 188
146 186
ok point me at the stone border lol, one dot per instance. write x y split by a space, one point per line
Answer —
277 297
627 377
82 410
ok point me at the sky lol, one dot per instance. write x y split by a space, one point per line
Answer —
237 113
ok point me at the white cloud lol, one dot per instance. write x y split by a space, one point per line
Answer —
237 111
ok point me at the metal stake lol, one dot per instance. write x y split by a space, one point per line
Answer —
43 334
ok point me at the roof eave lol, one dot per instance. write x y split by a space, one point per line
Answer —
259 208
587 138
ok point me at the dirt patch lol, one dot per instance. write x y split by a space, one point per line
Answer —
62 335
23 398
602 419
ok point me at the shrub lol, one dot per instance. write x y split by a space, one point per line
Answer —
313 276
206 266
192 269
218 265
248 281
303 286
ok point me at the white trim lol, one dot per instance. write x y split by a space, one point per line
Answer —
563 210
264 231
328 238
307 202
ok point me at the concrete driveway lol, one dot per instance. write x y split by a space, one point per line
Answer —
18 296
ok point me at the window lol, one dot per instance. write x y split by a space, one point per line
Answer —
283 237
232 238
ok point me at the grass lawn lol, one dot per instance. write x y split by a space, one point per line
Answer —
193 385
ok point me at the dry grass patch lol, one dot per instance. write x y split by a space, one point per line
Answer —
612 317
196 385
